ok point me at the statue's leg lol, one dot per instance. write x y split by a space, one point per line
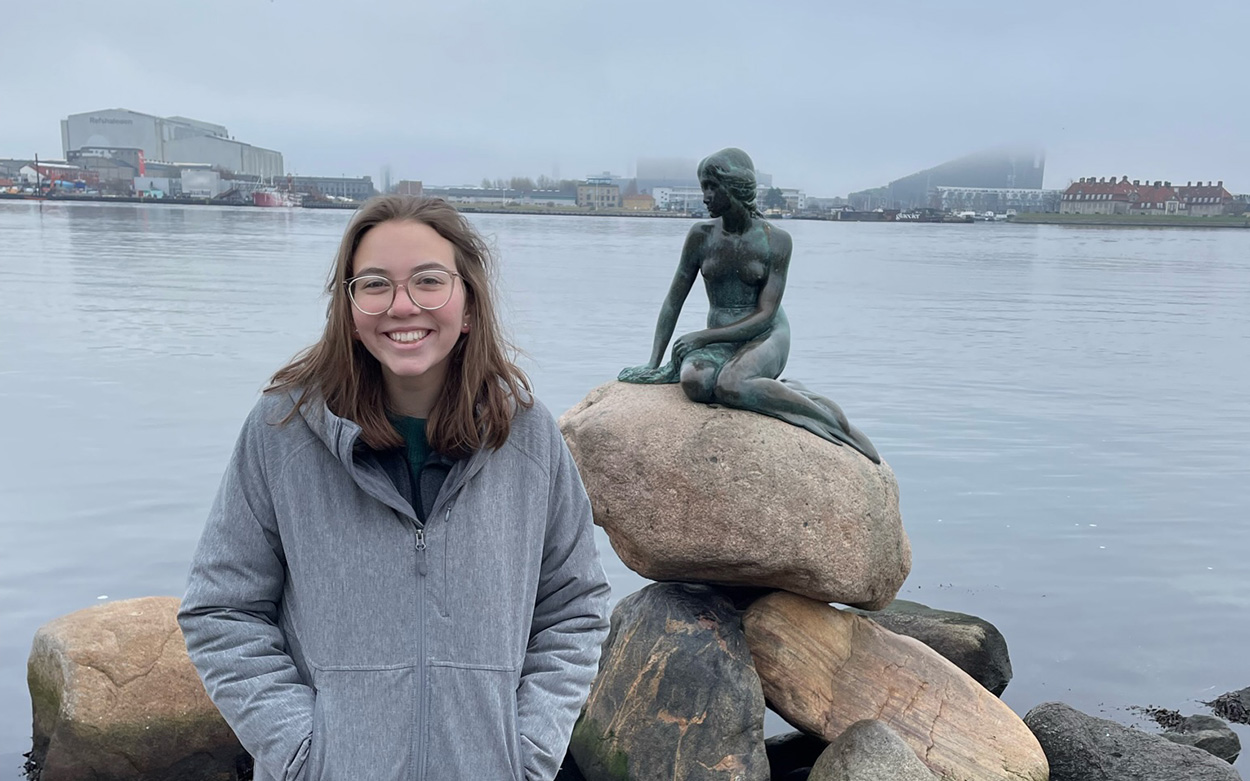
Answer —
698 378
746 382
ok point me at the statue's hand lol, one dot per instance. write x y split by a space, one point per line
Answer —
647 374
686 345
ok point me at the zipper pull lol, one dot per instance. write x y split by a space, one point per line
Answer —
420 538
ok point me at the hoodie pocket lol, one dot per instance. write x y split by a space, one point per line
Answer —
364 723
472 725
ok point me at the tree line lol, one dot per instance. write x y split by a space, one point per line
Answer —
526 184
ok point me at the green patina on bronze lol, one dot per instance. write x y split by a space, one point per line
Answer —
738 358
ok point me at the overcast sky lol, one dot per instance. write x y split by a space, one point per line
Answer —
827 96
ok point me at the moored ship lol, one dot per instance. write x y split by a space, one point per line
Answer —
270 196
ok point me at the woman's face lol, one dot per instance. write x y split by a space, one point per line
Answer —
412 344
715 197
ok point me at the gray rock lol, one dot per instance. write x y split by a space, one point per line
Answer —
1080 747
869 751
792 754
973 644
1209 734
701 492
1234 706
677 695
115 697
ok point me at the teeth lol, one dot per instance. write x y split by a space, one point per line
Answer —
407 336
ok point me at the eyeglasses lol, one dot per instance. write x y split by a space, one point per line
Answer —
374 294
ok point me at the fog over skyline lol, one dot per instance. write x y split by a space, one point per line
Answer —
827 97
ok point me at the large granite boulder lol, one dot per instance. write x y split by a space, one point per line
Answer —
116 697
869 751
676 696
973 644
1084 748
824 669
699 492
1209 734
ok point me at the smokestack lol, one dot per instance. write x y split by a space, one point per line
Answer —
1220 183
1167 184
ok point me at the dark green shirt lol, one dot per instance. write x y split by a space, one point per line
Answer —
417 449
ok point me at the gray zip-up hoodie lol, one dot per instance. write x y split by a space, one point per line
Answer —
343 639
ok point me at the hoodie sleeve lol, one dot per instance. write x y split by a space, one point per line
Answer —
229 616
569 626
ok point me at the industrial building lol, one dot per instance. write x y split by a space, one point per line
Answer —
354 188
995 199
599 192
168 139
1005 168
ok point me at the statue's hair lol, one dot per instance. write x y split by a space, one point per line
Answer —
733 168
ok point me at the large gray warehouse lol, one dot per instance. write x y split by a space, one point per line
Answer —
168 139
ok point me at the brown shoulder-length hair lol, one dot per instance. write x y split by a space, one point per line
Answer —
483 385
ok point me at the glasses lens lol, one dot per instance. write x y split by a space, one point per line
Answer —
372 295
431 289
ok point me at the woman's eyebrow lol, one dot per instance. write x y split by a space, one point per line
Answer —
419 267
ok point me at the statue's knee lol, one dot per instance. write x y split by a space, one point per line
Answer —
698 386
728 392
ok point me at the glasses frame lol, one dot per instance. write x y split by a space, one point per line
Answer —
407 286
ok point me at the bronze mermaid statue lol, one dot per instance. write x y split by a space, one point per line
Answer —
737 359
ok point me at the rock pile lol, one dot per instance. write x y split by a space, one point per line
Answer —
773 523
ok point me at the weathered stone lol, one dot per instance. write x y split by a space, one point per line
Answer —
973 644
697 492
1084 748
1208 733
116 697
676 696
791 753
823 670
869 751
1234 706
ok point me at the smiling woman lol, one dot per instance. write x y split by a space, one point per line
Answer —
399 577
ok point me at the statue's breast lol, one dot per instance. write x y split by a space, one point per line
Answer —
741 259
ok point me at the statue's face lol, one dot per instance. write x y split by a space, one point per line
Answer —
715 197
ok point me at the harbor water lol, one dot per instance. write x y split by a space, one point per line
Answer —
1066 410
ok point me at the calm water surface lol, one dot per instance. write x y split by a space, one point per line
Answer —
1065 409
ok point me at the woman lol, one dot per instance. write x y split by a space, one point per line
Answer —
398 578
737 359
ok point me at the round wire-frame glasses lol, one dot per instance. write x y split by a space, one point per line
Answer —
374 294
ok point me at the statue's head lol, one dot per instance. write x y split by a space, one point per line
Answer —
734 170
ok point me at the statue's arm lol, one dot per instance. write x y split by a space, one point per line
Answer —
769 302
683 280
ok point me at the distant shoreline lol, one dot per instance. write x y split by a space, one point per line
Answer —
1131 221
1079 220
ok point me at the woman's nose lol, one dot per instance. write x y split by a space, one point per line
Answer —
402 304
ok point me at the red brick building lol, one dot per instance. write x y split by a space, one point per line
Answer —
1120 196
